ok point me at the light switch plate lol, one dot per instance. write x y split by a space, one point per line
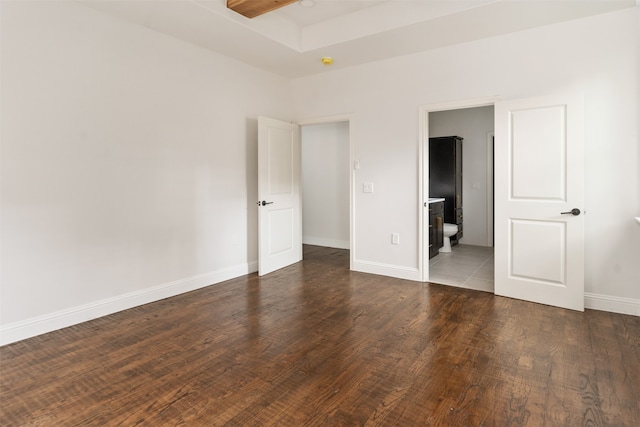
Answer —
367 187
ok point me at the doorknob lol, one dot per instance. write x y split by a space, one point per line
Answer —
264 203
574 211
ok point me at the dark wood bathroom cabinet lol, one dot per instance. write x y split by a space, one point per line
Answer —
436 222
445 178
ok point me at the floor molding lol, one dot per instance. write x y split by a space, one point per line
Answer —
28 328
327 243
613 304
389 270
61 319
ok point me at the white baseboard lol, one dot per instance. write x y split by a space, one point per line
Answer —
613 304
328 243
17 331
61 319
396 271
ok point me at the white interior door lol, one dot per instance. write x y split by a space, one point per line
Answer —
539 166
279 204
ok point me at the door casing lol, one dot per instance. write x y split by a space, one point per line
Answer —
423 170
350 119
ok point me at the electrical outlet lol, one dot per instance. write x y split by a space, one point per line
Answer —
395 239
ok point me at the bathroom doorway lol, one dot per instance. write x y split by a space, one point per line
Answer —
470 262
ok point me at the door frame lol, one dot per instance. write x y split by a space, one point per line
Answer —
490 186
423 169
349 118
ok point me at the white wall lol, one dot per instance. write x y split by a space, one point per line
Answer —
325 184
472 124
129 165
598 55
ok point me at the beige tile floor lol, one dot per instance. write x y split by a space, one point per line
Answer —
465 266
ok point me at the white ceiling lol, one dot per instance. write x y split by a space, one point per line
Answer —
323 10
291 40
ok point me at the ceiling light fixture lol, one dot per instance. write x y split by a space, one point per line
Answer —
327 60
306 3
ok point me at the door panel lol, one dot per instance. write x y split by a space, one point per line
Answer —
538 251
539 165
279 204
280 231
280 154
538 151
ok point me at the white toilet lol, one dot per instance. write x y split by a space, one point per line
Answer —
448 230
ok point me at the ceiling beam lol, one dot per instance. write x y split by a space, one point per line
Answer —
253 8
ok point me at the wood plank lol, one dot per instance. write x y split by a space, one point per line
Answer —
253 8
315 344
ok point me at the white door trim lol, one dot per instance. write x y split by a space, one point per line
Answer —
490 190
423 169
350 118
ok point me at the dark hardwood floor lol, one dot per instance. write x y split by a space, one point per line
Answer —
316 345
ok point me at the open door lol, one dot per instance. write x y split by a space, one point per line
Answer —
539 199
279 204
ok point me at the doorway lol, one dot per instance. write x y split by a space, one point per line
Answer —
539 237
470 263
327 181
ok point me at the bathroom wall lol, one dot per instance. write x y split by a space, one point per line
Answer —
472 124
